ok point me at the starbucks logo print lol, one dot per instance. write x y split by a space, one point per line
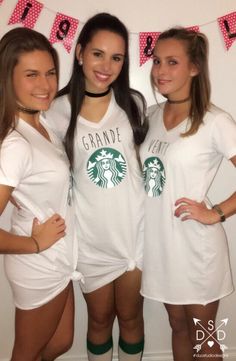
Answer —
106 167
154 176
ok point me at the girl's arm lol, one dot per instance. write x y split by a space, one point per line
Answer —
43 235
198 211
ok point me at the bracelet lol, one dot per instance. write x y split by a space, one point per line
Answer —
36 244
217 208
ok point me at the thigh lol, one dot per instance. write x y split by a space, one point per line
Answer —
201 316
34 328
62 338
177 317
100 303
128 300
101 314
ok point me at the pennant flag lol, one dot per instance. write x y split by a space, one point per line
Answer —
26 13
63 30
193 28
147 41
227 24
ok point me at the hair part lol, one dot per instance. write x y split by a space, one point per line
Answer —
197 51
121 87
12 45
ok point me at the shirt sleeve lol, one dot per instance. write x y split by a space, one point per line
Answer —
58 116
15 159
224 135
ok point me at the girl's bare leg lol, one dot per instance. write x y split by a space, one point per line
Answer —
35 328
207 316
129 311
101 315
62 339
181 341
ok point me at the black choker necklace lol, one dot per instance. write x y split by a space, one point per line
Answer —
178 101
97 95
27 111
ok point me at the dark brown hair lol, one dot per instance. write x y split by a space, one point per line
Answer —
121 87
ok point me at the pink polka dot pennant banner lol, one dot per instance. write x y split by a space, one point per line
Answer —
227 24
26 13
147 42
63 30
193 28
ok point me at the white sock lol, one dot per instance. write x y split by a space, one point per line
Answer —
123 356
104 357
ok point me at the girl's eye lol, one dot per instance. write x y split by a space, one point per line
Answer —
52 73
117 58
97 54
31 75
156 61
172 62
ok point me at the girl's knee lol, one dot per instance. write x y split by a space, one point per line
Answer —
178 323
54 350
24 354
101 320
65 344
130 321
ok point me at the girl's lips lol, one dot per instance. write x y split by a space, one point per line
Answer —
102 76
163 81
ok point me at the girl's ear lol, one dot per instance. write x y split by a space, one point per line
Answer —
78 52
194 70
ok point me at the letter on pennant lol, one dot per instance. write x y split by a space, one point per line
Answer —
26 12
147 42
227 24
63 30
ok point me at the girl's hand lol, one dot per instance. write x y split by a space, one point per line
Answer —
47 233
189 209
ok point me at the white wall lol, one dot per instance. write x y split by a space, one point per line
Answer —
151 15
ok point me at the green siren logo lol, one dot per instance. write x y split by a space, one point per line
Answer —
154 176
106 167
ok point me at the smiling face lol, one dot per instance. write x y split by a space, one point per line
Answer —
35 80
172 70
102 59
153 173
105 164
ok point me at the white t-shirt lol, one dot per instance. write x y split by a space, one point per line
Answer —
108 193
39 172
184 262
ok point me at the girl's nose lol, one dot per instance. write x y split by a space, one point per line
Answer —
106 64
44 82
161 68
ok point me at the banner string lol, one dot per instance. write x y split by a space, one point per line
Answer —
131 32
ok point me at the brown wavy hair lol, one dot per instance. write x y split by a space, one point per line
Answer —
12 45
